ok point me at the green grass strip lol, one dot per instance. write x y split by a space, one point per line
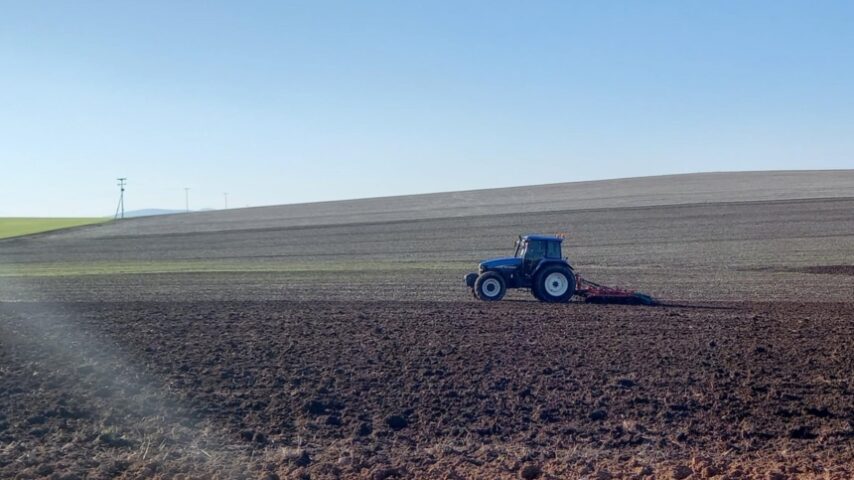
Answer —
18 226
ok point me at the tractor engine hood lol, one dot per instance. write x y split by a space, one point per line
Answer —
503 262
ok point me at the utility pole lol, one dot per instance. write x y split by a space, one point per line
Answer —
225 194
121 206
187 198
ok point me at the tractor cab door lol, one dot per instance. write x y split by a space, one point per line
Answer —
534 251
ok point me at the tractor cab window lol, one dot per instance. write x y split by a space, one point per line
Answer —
553 250
535 250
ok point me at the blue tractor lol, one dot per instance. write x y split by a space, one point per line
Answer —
537 265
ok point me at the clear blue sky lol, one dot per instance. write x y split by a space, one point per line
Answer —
283 102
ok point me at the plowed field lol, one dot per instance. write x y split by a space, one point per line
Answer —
352 350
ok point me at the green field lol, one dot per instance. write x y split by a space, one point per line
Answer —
17 226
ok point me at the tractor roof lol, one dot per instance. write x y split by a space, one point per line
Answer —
548 238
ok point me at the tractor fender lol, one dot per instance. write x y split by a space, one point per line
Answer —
545 262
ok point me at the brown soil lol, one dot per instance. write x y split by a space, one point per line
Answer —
429 389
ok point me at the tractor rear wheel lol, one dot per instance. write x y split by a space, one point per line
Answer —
555 284
490 287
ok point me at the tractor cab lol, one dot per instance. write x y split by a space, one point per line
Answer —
532 249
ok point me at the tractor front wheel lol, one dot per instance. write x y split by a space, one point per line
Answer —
554 285
490 287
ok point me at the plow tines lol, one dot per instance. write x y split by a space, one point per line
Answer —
595 293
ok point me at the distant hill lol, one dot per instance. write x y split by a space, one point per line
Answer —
702 188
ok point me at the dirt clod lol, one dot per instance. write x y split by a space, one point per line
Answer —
680 472
530 472
301 458
386 473
396 422
603 475
644 470
315 407
597 415
364 429
802 432
820 412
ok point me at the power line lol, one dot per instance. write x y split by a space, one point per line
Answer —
121 205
